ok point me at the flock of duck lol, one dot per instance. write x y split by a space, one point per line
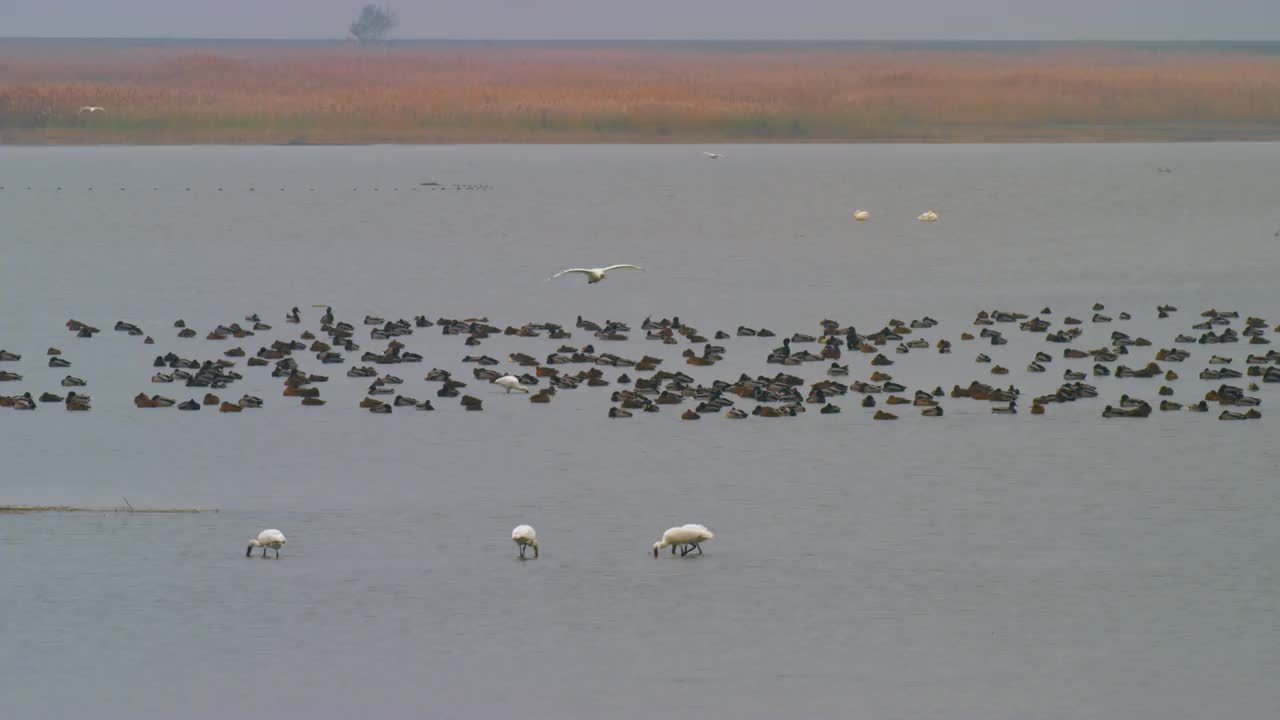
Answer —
684 539
781 394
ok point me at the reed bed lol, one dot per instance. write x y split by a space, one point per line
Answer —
166 95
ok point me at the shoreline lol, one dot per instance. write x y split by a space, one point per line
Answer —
972 136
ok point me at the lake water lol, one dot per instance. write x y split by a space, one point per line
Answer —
972 566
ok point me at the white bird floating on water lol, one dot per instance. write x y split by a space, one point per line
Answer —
92 109
686 537
525 537
861 215
511 382
928 216
595 275
711 155
270 538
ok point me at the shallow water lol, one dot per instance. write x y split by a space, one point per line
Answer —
975 565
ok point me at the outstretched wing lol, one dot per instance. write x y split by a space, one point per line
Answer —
621 267
569 270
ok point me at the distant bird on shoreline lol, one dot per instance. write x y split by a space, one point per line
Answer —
92 109
595 275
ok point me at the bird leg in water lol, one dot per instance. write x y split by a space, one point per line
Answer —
278 553
264 551
521 552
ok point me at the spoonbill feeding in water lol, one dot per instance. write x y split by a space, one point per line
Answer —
595 275
270 538
686 538
510 382
525 537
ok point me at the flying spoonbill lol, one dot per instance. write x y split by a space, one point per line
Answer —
686 537
595 275
525 537
266 539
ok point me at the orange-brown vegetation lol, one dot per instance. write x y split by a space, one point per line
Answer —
604 94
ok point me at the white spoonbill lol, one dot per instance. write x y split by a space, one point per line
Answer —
270 538
595 275
928 216
713 156
525 537
686 537
862 215
510 382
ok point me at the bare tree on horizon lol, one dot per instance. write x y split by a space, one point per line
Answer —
374 24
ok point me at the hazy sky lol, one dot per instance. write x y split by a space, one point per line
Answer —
801 19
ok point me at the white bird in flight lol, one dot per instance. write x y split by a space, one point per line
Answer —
92 109
595 275
711 155
270 538
525 537
686 537
510 382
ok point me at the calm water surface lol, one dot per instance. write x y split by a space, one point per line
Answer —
974 566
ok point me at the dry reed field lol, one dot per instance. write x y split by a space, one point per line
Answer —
333 94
